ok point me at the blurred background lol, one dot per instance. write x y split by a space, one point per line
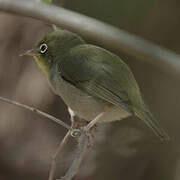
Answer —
123 150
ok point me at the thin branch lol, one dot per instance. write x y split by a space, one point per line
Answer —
32 109
83 141
106 35
56 155
72 132
82 148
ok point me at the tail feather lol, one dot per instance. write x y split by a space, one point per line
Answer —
152 123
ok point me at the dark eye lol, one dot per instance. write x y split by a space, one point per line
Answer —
43 48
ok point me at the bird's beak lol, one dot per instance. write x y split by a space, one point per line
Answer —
30 52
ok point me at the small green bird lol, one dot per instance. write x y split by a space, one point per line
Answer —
94 83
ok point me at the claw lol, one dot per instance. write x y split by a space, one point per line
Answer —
89 135
75 132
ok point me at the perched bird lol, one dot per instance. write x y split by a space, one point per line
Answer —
94 83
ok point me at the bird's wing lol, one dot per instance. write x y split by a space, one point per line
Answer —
91 73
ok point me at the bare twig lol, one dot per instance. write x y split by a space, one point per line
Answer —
83 142
58 121
82 147
56 155
101 33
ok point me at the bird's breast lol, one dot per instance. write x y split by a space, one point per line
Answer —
83 105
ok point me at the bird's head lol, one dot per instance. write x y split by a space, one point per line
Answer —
53 47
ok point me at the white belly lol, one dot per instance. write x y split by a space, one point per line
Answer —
85 106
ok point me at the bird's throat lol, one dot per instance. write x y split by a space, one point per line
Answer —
42 65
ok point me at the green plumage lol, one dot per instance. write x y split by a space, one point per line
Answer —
101 79
96 72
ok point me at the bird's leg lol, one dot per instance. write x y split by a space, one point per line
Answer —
98 118
76 122
87 128
72 114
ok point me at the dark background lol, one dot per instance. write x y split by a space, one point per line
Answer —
123 150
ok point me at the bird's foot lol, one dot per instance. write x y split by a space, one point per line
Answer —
81 126
90 134
78 122
75 132
76 126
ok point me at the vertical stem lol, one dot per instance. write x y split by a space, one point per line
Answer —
56 155
82 147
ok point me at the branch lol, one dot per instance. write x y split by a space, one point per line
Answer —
106 35
83 141
56 155
82 147
58 121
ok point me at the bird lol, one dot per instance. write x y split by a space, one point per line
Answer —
95 84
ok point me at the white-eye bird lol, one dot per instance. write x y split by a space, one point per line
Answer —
93 82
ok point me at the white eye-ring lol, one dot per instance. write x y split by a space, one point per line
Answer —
43 48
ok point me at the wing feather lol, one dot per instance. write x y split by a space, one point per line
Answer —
94 77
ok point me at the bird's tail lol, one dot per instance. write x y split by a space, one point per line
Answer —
152 123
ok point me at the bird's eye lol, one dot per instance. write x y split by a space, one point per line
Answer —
43 48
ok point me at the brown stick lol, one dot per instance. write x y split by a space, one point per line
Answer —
56 155
82 148
83 141
32 109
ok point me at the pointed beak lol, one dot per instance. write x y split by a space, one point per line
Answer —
30 52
